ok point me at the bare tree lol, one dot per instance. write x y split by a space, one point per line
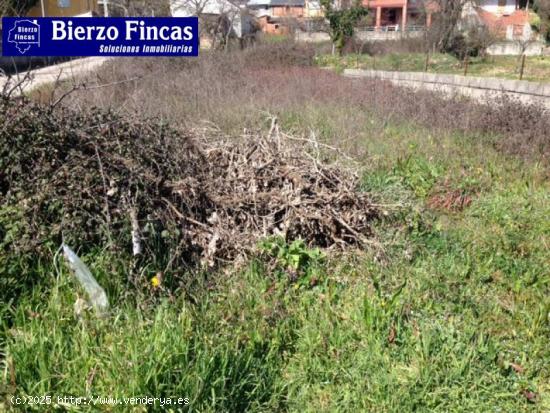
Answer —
542 8
447 19
197 8
139 7
219 20
523 41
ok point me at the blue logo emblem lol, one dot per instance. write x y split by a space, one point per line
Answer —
24 34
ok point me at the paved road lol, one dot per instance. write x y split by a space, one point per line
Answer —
63 72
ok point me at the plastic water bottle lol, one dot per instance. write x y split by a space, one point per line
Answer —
96 294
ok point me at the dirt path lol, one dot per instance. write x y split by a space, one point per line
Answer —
62 72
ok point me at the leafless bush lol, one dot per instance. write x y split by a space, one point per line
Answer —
404 45
287 54
235 90
231 89
517 128
139 7
473 41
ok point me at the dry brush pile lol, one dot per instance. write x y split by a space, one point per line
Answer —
95 178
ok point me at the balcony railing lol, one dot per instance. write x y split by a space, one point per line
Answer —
395 28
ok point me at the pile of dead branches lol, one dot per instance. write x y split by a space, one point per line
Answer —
95 178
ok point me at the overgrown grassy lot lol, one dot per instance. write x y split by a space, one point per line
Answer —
448 311
537 68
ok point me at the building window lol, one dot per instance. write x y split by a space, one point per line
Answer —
63 4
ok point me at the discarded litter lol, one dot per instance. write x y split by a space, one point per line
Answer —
96 294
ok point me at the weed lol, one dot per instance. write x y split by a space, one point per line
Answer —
299 263
418 174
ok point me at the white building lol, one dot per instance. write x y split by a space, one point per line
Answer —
234 13
500 7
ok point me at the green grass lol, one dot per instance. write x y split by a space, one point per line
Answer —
452 315
165 349
537 68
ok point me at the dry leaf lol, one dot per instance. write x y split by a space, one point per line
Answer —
392 334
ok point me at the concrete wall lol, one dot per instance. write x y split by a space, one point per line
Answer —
313 9
507 48
363 35
313 37
482 89
514 49
368 35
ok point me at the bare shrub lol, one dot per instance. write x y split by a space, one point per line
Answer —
232 89
235 90
517 128
279 54
471 42
141 7
404 45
